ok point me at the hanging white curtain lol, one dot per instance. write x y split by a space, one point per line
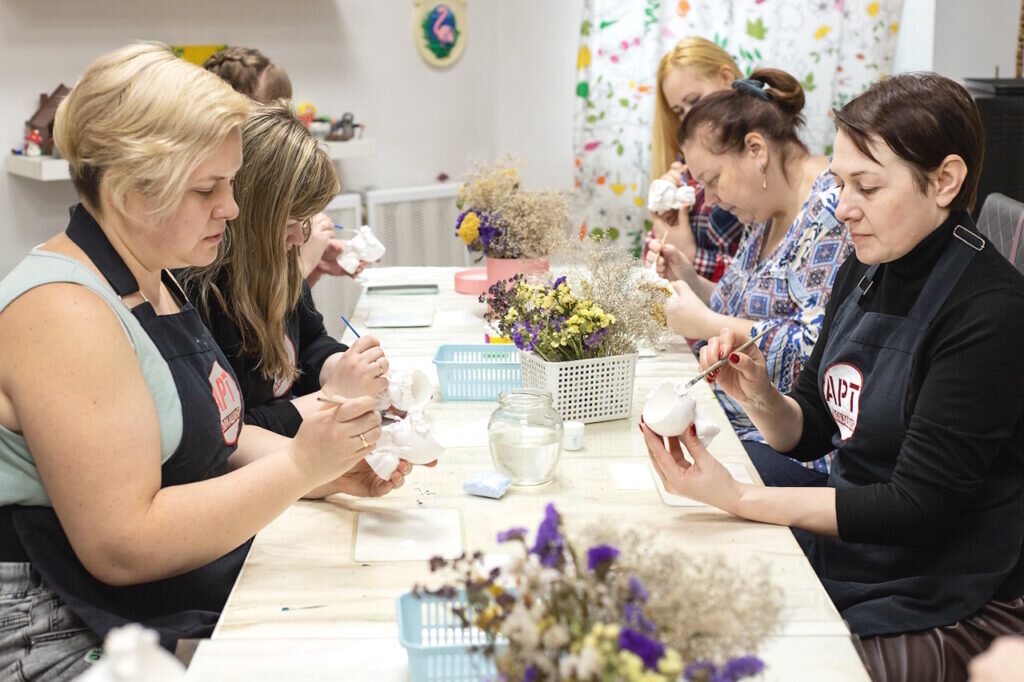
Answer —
836 48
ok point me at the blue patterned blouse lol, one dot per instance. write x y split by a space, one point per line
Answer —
787 291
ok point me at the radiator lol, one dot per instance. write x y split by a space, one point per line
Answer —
417 225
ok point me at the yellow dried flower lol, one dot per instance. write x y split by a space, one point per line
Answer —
469 228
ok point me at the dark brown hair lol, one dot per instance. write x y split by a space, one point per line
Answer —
239 66
923 118
727 116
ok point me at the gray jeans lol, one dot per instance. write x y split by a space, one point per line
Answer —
40 637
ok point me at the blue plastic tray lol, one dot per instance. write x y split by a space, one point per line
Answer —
477 371
440 649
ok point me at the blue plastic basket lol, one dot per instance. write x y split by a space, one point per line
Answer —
440 649
477 371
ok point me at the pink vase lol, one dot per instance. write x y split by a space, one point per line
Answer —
505 268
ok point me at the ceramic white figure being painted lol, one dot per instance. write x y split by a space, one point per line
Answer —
665 196
363 248
407 390
409 439
670 411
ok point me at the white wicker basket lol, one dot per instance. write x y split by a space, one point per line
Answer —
595 390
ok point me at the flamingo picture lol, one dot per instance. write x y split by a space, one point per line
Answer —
443 32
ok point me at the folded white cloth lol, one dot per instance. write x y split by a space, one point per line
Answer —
665 196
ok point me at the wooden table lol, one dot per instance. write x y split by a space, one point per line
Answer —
340 617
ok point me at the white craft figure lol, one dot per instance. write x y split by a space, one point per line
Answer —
409 438
670 411
130 654
665 196
363 248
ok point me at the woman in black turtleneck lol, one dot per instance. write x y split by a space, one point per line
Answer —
917 380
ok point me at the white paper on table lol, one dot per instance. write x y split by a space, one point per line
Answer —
737 470
458 318
631 475
409 317
467 435
408 534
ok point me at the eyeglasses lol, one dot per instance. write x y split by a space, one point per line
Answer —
307 227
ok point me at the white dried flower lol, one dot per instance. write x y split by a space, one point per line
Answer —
555 637
590 665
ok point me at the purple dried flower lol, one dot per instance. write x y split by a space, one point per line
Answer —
649 650
524 336
600 556
700 671
740 667
511 534
558 282
530 674
550 545
637 591
633 616
594 340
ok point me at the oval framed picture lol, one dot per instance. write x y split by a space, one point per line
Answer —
439 30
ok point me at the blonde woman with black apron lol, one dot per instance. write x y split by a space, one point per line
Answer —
129 490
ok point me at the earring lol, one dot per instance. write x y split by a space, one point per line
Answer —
764 178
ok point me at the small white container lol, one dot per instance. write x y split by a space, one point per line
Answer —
572 436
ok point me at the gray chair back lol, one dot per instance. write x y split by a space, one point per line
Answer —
1001 222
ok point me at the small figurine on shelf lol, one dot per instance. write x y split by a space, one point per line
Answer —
34 143
306 113
345 128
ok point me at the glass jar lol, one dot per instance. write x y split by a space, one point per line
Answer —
525 436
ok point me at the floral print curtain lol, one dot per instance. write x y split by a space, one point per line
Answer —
836 48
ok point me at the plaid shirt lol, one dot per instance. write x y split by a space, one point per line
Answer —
718 234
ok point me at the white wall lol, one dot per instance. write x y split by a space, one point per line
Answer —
958 39
512 90
971 38
915 49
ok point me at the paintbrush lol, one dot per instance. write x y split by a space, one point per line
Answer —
339 401
724 361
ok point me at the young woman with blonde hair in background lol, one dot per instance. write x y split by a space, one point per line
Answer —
253 297
707 236
129 489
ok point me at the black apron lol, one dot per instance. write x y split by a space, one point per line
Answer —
865 373
188 605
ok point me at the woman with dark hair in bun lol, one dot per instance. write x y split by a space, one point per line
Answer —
916 381
741 144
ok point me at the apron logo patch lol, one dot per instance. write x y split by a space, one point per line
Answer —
282 384
841 386
229 402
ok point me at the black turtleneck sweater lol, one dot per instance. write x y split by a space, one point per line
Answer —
965 399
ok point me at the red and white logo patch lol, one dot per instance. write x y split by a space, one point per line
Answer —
282 384
229 402
842 386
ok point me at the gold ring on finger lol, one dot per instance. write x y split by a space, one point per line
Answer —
362 439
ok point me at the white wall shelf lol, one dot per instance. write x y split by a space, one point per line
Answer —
42 168
350 149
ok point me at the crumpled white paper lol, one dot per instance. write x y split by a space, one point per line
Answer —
665 196
363 248
669 411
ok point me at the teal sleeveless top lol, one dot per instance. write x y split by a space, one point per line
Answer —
19 478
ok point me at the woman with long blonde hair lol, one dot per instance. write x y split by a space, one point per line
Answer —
707 236
253 296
